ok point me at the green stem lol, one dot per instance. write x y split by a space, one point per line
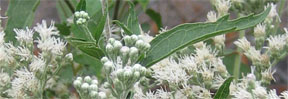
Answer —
237 63
88 33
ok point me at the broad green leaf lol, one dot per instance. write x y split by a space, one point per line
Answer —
20 15
155 16
186 34
132 21
81 6
97 29
63 28
93 6
223 91
124 27
92 50
89 48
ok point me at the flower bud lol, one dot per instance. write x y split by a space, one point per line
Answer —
102 95
128 40
109 48
106 85
88 79
136 75
143 71
93 87
79 78
120 74
108 66
104 59
117 84
127 74
111 40
134 37
69 56
117 46
133 54
77 14
136 67
125 54
93 94
139 44
77 83
82 13
94 82
85 86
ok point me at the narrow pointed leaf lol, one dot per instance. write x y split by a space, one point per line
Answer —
224 90
155 16
132 22
124 27
186 34
81 6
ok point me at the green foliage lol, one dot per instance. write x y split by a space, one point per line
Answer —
155 16
81 6
143 3
20 15
63 28
124 27
186 34
224 90
63 10
132 21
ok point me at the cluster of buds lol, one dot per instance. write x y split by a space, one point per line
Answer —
120 64
260 35
129 54
81 17
88 88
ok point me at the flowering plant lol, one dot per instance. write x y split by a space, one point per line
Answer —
91 56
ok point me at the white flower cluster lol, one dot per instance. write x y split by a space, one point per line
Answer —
81 17
121 66
30 64
88 88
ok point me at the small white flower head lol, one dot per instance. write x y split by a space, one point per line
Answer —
24 81
93 87
243 43
52 44
23 35
241 94
125 50
219 40
2 40
273 95
4 79
102 95
133 52
117 45
267 76
44 31
24 53
260 92
108 66
146 37
94 81
251 75
85 86
253 54
211 16
188 63
77 83
205 54
170 71
260 30
81 17
273 12
94 94
284 94
276 44
69 56
223 6
88 79
37 64
104 59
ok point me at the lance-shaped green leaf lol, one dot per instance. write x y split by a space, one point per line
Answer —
223 91
20 15
81 6
132 21
155 16
186 34
89 48
125 28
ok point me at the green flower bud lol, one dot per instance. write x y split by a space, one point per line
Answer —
93 87
117 46
106 85
79 78
85 86
120 74
77 14
104 59
94 82
133 54
134 38
136 75
128 41
124 51
94 94
77 83
108 66
127 74
88 79
102 95
109 48
111 40
117 84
